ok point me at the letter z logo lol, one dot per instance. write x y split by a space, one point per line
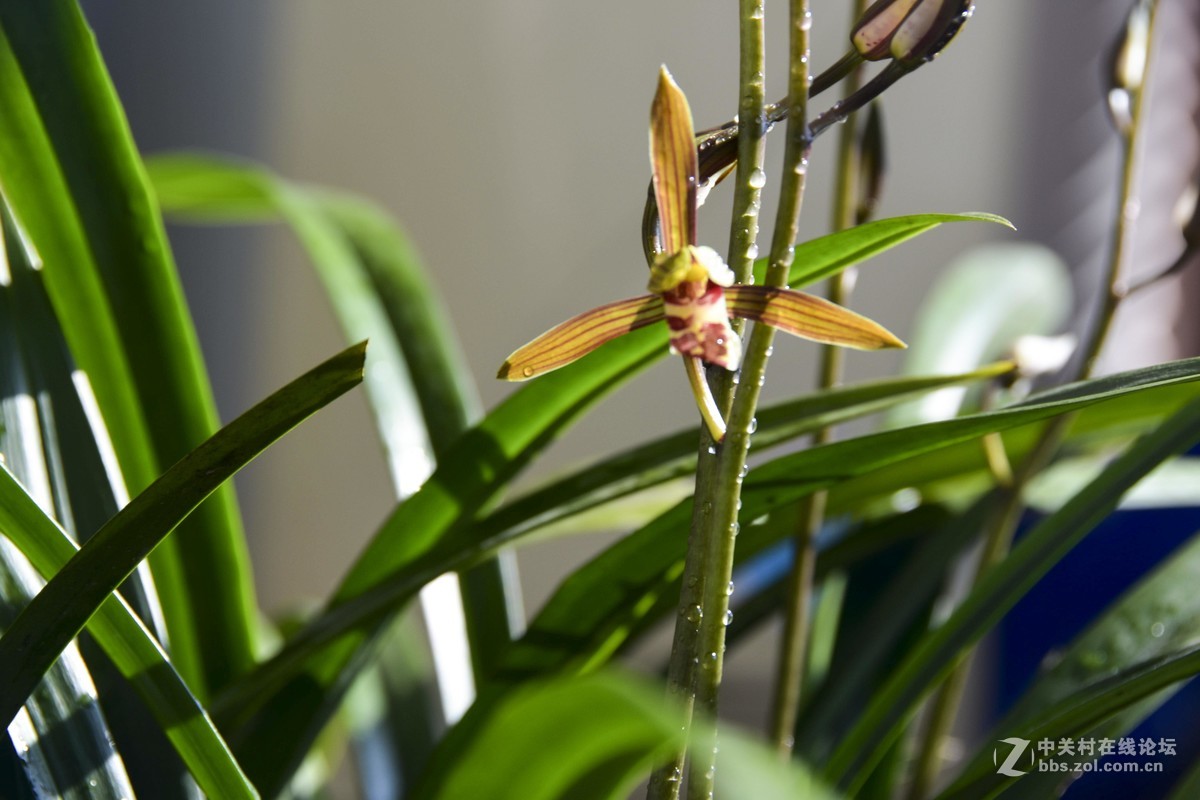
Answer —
1019 746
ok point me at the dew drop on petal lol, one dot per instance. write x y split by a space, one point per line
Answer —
527 372
694 614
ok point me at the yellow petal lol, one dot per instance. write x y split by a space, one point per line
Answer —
579 336
808 317
673 159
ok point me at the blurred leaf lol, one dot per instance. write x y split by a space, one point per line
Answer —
595 737
432 528
70 172
1082 711
977 308
1154 619
996 593
61 609
936 455
888 608
1174 484
378 292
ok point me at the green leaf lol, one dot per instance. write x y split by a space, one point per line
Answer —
378 291
826 256
1172 485
978 307
675 456
633 583
1081 712
132 648
595 737
70 172
998 591
431 529
63 606
62 732
1152 620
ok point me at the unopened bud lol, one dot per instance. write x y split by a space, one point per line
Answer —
1128 68
872 164
1042 355
910 31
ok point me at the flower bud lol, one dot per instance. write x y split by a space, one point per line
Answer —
910 31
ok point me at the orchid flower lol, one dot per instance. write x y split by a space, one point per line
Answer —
691 287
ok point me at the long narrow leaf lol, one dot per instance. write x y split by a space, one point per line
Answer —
591 739
1080 713
62 608
674 456
132 648
72 175
433 522
378 291
999 590
1153 619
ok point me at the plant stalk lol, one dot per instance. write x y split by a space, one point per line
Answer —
793 650
666 782
944 709
1131 141
721 534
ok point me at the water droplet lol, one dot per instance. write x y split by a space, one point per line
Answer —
756 12
692 581
735 529
712 657
770 351
752 252
527 372
758 179
729 617
745 470
753 425
710 773
712 450
694 614
805 22
675 776
729 589
1157 629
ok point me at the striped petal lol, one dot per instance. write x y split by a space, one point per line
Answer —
808 317
673 158
579 336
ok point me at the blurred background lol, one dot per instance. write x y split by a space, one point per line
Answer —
509 137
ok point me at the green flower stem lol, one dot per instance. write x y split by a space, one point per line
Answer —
793 649
1122 226
665 782
721 533
752 113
